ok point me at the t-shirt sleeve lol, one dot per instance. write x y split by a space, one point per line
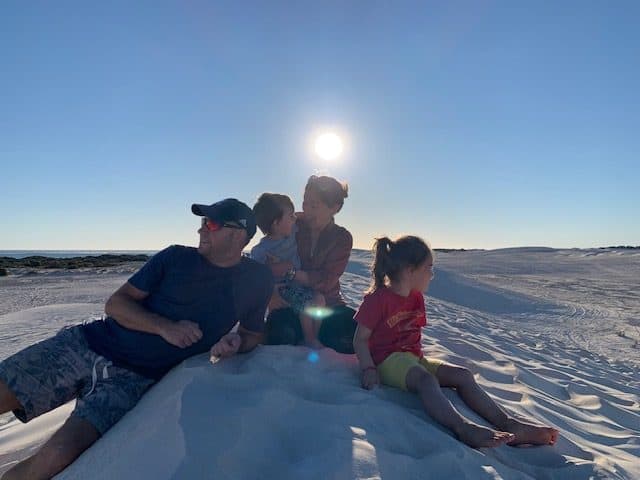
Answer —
253 320
151 274
259 253
369 313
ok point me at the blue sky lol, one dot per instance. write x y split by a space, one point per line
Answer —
473 124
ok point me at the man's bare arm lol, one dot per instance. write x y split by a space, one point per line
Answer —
125 307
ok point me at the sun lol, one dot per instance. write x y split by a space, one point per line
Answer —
328 146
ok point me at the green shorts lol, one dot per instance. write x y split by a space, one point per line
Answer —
393 370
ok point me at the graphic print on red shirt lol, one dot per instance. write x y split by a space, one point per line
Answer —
395 321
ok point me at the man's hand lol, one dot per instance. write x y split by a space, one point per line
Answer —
181 334
370 378
226 346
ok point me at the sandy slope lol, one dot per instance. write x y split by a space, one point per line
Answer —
539 327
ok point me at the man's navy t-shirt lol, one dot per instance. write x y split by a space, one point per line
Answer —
183 285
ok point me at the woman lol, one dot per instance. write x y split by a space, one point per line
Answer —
324 250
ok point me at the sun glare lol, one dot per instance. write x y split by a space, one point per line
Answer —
328 146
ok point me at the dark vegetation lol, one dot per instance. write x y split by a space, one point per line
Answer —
68 263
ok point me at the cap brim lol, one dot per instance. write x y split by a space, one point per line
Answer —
198 209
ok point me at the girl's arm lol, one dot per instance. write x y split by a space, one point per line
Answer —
368 369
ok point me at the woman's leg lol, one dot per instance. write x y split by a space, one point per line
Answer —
337 329
440 409
283 328
477 399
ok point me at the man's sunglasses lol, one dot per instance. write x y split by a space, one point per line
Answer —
213 226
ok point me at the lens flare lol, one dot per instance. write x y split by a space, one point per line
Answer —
317 313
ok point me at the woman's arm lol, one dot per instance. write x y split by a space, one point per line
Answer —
368 368
332 267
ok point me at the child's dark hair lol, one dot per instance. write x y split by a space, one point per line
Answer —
331 191
390 257
269 208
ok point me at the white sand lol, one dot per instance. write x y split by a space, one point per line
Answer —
549 333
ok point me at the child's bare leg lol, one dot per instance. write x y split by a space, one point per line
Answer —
310 324
307 322
440 409
477 399
318 301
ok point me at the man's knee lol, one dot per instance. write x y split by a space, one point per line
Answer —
8 399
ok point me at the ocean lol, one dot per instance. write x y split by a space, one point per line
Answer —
71 253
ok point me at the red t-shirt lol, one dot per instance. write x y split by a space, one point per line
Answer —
396 322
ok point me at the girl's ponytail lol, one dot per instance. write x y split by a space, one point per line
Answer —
381 251
390 258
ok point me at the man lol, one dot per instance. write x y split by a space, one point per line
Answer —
183 302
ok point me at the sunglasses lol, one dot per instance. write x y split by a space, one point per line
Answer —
213 226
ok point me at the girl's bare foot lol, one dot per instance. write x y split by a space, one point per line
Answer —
531 434
477 436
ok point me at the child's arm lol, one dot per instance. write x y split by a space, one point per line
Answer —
369 371
278 267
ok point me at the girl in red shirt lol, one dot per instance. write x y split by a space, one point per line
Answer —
387 343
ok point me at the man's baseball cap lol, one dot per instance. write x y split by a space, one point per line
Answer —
229 210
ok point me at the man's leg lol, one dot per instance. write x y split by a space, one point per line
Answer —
8 400
73 438
43 377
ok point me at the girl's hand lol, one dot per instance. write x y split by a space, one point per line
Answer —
370 378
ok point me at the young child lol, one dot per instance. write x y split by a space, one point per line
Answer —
387 343
276 218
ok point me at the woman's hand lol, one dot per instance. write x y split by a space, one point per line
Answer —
370 378
279 269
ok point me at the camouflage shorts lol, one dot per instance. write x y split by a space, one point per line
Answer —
297 296
61 368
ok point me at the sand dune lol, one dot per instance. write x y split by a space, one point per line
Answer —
539 328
